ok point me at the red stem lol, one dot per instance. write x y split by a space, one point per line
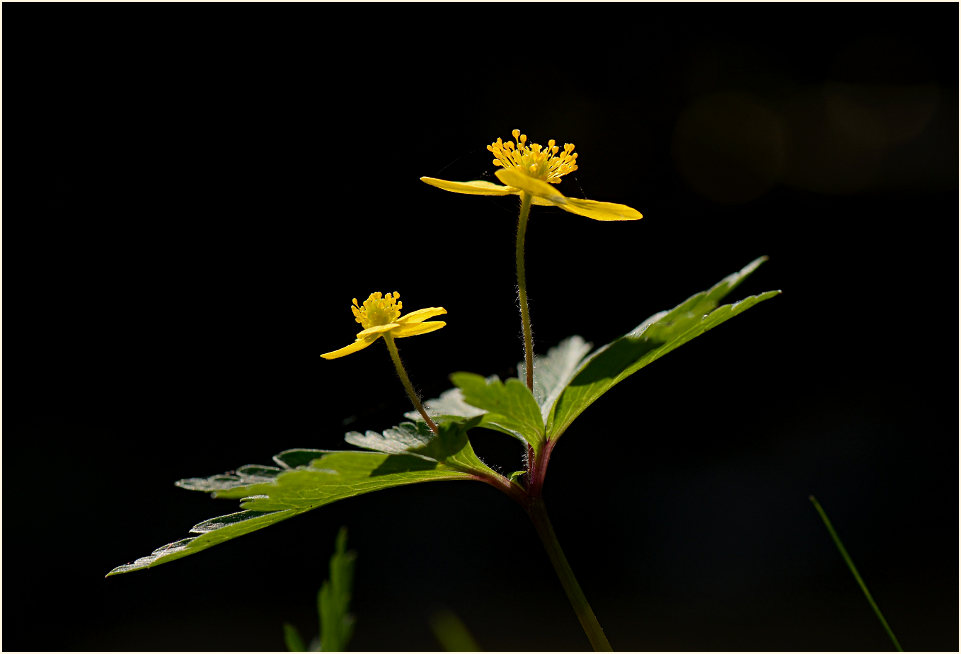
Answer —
535 484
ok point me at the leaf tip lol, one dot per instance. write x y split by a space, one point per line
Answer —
751 267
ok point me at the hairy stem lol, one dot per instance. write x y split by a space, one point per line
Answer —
522 290
582 608
405 380
538 470
537 466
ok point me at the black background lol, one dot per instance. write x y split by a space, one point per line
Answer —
195 193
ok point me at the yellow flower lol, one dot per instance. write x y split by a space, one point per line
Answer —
380 315
532 168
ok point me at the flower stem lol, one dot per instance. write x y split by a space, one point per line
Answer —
522 290
582 608
854 572
405 380
537 466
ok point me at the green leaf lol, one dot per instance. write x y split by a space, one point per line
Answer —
333 605
510 406
333 600
450 446
211 532
554 371
649 341
450 403
306 479
337 476
330 477
292 639
405 438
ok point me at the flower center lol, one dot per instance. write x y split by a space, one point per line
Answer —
378 309
548 164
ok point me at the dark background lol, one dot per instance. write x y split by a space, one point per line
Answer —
193 196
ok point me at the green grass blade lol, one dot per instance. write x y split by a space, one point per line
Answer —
854 571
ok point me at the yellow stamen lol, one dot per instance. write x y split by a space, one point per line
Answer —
378 309
548 164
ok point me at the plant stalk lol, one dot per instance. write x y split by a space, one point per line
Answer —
522 290
405 380
582 608
537 466
538 469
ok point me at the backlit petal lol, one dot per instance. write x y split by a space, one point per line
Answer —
477 187
357 345
377 329
417 328
600 210
536 187
421 315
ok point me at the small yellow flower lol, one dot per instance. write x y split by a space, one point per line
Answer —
532 168
380 315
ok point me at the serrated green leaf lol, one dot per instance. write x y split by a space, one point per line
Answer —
333 600
554 371
450 404
405 438
649 341
449 446
243 476
296 458
333 605
407 454
510 406
211 532
333 476
337 476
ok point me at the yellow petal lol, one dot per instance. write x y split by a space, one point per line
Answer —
477 187
536 187
421 315
601 210
417 328
377 329
357 345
